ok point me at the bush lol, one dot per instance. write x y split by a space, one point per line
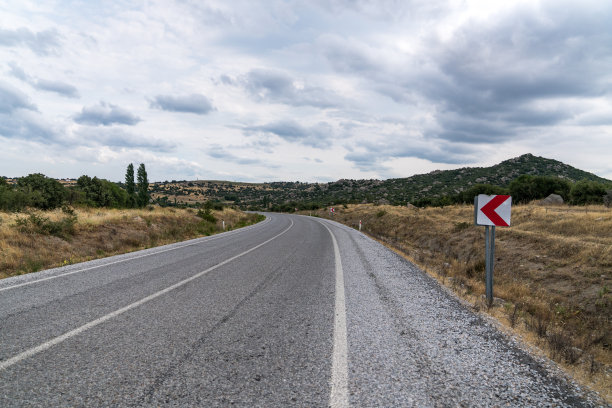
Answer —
16 200
207 215
607 199
213 205
40 191
97 192
38 224
526 188
587 192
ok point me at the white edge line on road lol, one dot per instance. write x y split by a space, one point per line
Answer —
339 379
200 241
35 350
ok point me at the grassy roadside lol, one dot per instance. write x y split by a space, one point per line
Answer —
553 273
44 239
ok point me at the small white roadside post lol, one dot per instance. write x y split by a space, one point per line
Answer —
359 225
491 211
223 225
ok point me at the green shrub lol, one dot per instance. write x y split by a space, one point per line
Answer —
587 192
607 199
207 215
526 188
38 224
97 192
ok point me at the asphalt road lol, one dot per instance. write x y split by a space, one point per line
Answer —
294 311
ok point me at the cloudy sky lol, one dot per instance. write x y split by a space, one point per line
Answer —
312 90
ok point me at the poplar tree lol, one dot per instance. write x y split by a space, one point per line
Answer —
130 185
143 186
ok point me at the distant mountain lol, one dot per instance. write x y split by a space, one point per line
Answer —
395 191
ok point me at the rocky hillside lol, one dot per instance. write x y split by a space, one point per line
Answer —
394 191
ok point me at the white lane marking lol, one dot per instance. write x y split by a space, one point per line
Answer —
35 350
339 379
200 241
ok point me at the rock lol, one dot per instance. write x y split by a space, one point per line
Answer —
553 199
412 207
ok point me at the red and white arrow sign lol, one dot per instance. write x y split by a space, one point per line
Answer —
493 210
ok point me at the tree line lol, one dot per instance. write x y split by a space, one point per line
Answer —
42 192
528 188
523 189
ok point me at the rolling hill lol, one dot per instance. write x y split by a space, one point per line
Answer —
394 191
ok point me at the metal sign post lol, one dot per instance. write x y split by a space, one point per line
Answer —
489 260
491 211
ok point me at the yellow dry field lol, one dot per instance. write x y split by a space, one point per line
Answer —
40 240
552 277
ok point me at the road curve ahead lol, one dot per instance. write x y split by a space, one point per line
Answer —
294 311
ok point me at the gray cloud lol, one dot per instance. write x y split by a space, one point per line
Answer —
19 119
386 10
316 159
371 155
319 136
501 73
491 80
468 129
349 56
115 137
26 125
57 87
367 161
193 103
12 99
227 80
105 114
41 43
219 152
278 87
18 72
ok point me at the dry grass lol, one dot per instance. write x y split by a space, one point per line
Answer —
553 272
40 240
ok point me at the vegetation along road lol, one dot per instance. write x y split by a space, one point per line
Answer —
293 311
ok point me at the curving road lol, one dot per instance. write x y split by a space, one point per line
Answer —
294 311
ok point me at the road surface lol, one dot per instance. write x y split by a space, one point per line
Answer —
293 311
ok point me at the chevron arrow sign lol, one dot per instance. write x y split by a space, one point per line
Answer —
492 210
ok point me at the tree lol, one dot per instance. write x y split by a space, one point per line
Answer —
526 188
143 186
587 192
608 199
43 192
101 193
130 185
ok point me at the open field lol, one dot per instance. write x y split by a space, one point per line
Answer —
39 240
553 272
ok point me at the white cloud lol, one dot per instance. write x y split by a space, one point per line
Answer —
304 90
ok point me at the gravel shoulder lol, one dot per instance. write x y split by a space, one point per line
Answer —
412 343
